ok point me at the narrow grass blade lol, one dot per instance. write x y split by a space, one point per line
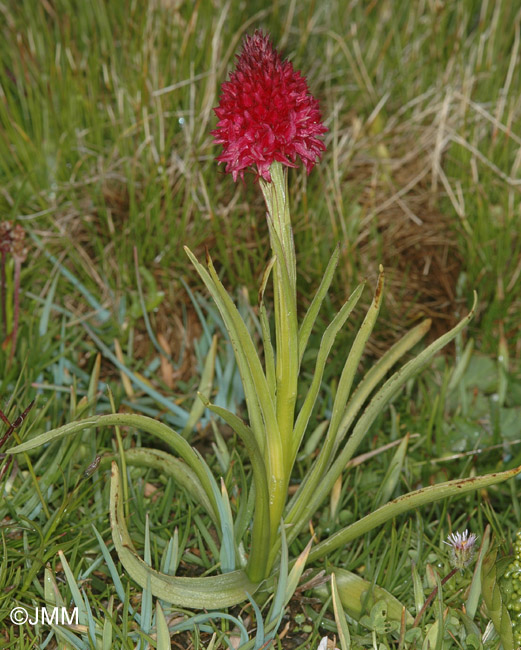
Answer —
258 396
84 611
340 618
101 313
419 595
144 312
277 606
392 475
170 559
227 556
472 602
50 589
106 639
68 637
259 635
180 413
114 574
146 595
205 388
47 306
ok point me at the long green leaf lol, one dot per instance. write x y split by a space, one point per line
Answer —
407 502
260 533
340 618
348 373
312 312
247 358
474 592
196 593
316 490
390 480
325 347
496 608
205 387
154 427
377 373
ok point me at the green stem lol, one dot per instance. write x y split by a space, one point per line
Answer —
432 596
286 335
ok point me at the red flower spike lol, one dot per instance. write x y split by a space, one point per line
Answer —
266 113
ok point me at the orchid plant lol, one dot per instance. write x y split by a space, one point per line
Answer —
267 122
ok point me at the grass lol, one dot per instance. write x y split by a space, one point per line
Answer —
105 113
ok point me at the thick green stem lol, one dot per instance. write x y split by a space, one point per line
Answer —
286 335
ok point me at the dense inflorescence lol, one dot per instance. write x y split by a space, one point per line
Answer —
266 113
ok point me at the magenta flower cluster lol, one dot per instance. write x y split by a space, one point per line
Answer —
266 113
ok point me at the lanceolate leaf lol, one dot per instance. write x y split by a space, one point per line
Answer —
211 592
318 486
154 427
348 373
325 347
258 398
405 503
340 618
314 307
172 467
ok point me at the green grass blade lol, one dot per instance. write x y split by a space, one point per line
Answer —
340 618
162 632
205 388
392 475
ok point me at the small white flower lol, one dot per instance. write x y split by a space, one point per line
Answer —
462 550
